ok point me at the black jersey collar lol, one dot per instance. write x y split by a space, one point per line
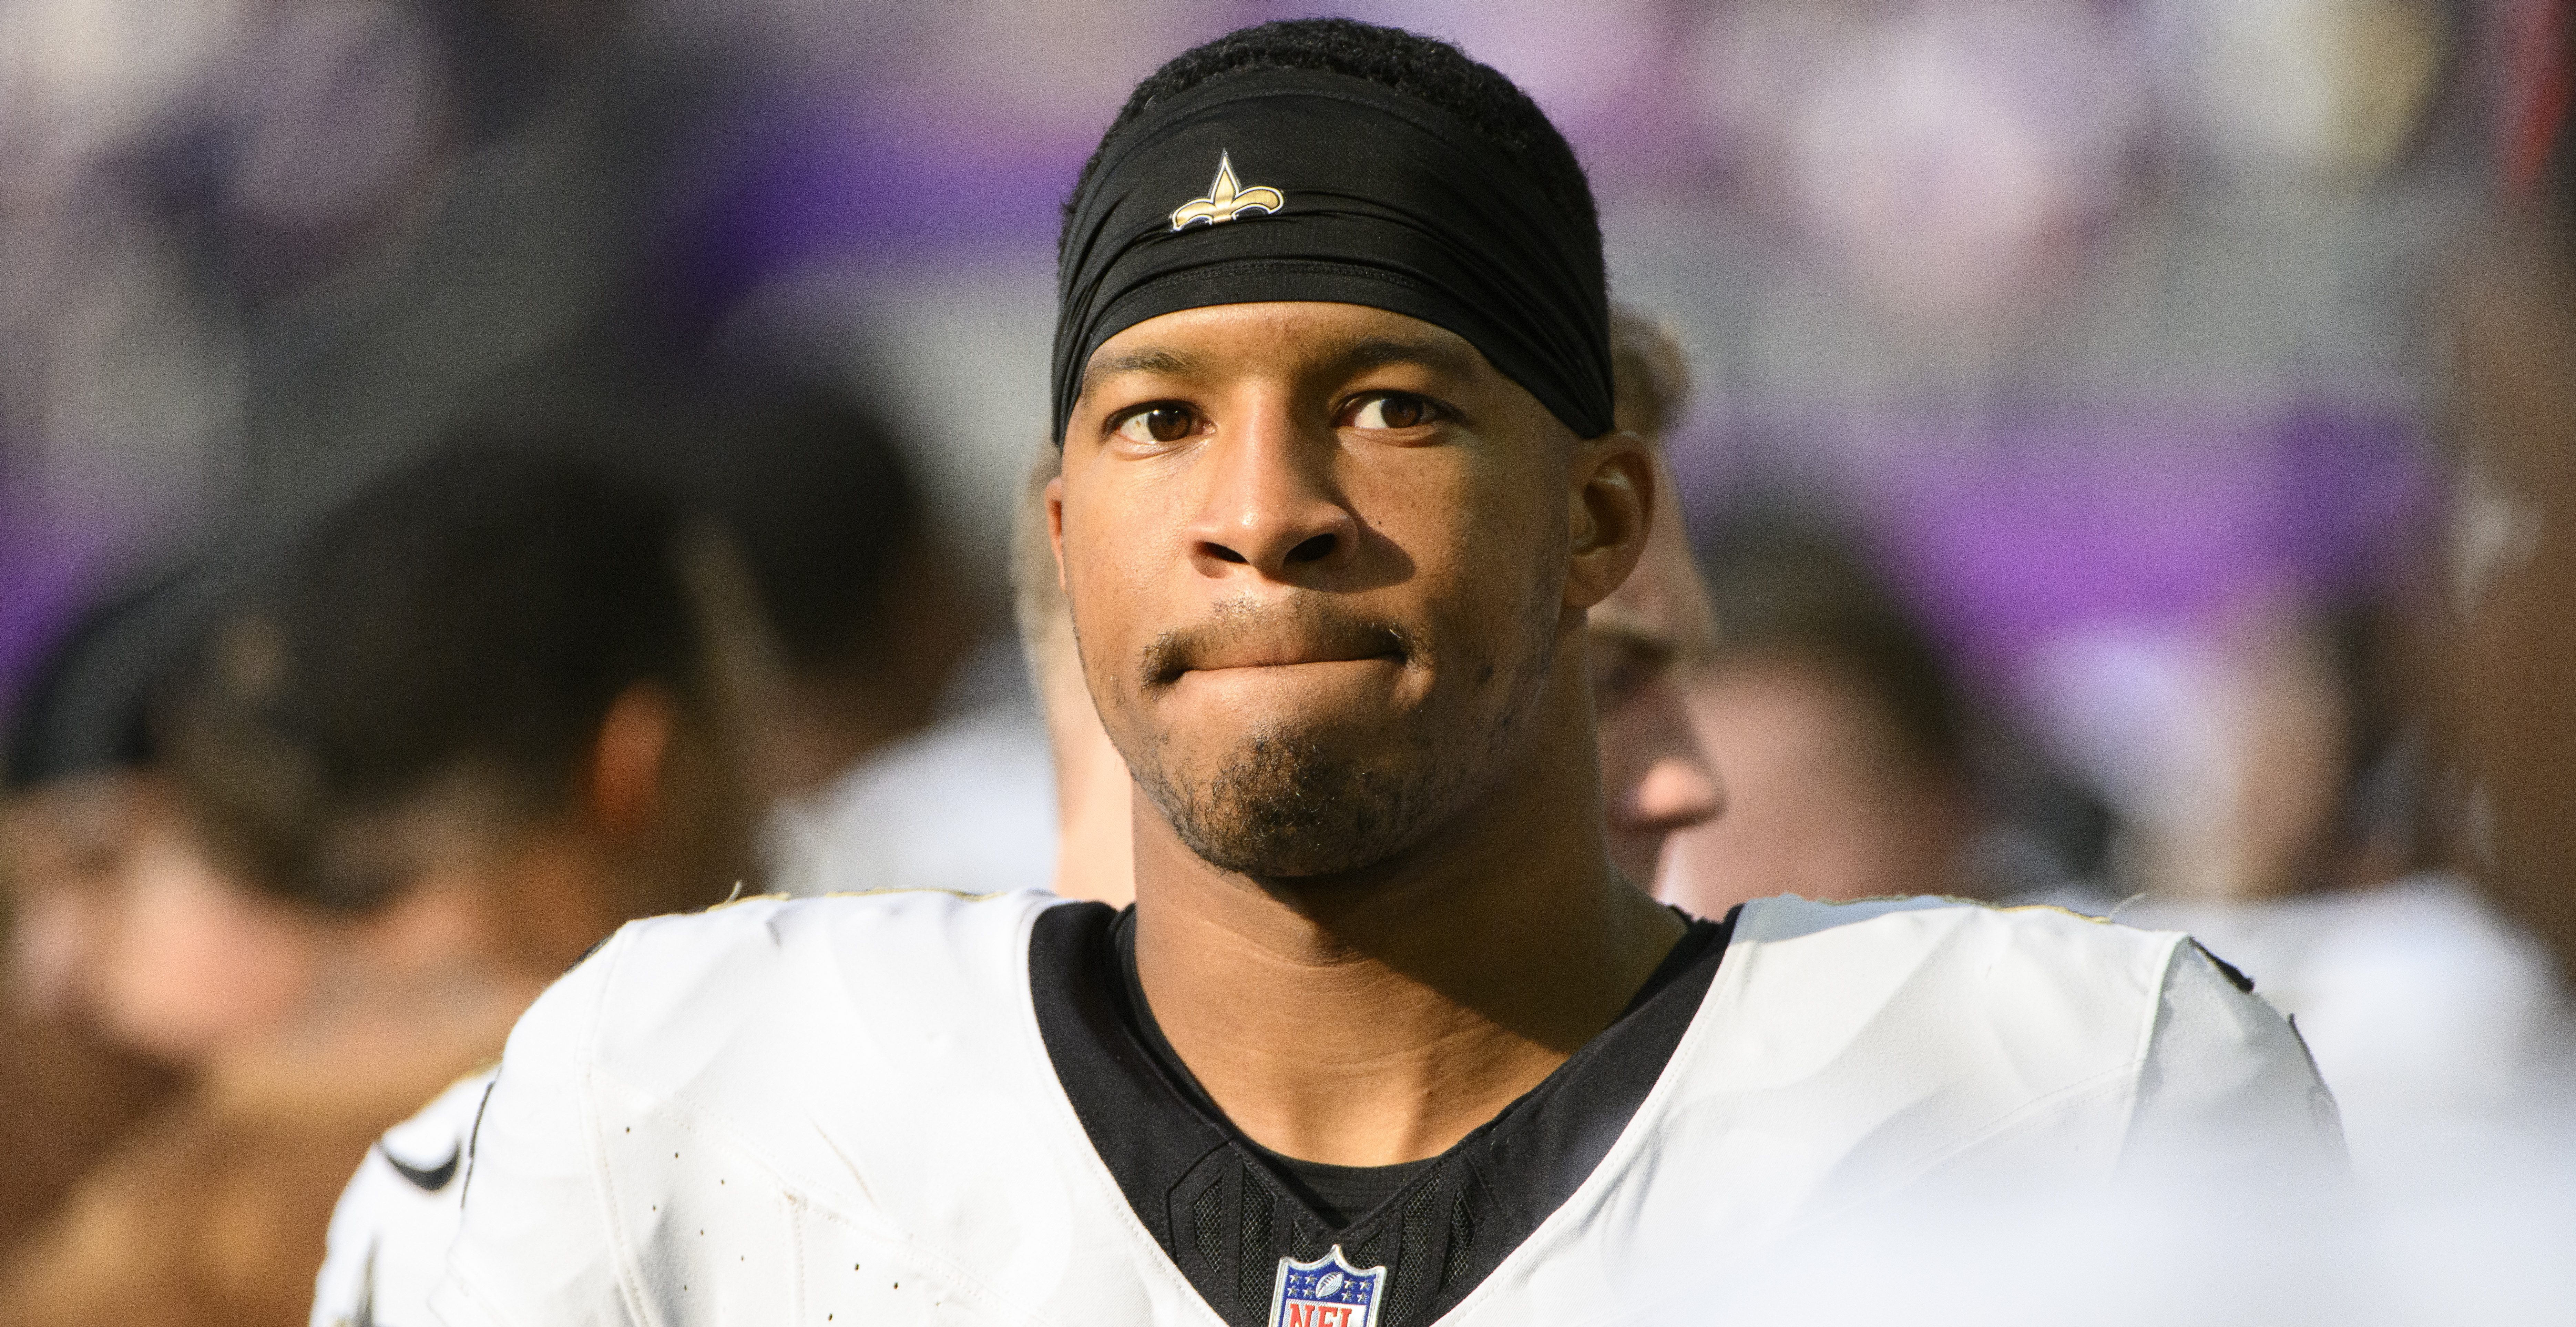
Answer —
1225 1216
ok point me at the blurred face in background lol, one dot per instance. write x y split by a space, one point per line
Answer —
196 960
66 842
1643 641
1823 798
124 924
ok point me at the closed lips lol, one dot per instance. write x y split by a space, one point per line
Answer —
1243 643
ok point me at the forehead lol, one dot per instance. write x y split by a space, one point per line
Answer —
1291 337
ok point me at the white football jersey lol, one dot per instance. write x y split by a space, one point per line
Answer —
915 1108
390 1232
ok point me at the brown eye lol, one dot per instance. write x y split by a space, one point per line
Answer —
1162 423
1395 410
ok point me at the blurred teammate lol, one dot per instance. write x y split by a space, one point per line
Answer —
1385 1038
846 568
83 1024
477 719
1647 637
1836 724
2309 864
872 626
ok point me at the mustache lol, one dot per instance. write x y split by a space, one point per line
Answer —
1247 632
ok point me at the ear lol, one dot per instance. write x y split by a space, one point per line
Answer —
629 758
1611 510
1055 524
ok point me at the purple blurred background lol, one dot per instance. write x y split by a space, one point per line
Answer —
2095 320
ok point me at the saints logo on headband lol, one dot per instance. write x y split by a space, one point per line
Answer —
1227 200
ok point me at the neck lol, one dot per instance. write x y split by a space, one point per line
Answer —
425 987
1380 1018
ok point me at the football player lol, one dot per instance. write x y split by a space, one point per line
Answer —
1384 1039
471 720
390 1234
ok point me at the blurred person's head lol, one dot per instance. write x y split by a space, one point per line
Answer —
2268 761
119 921
1646 637
480 714
1836 723
78 752
867 616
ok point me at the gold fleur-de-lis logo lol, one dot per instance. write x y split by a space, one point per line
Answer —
1226 199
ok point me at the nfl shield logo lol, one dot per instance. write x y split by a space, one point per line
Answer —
1327 1292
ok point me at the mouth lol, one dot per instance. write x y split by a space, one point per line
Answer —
1291 659
1241 647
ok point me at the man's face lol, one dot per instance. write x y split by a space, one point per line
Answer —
125 925
1322 560
63 846
1823 802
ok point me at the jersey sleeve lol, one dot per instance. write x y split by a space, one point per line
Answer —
535 1247
2227 1086
391 1229
344 1289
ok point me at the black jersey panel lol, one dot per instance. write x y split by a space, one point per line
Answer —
1145 1130
1222 1207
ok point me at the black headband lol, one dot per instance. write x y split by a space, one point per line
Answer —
1330 188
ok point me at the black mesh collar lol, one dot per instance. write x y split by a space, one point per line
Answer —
1226 1217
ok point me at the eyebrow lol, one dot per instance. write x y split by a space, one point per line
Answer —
1161 360
1350 357
1377 352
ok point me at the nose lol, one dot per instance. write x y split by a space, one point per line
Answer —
1268 503
1676 792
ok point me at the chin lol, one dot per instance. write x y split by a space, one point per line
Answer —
1288 802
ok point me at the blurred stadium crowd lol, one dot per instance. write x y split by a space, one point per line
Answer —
475 471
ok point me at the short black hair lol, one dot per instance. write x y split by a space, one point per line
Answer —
1425 68
469 616
88 706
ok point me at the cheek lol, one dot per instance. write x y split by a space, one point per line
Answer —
1118 562
1653 725
1101 587
1477 538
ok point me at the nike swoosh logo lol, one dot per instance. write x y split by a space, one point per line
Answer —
431 1180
